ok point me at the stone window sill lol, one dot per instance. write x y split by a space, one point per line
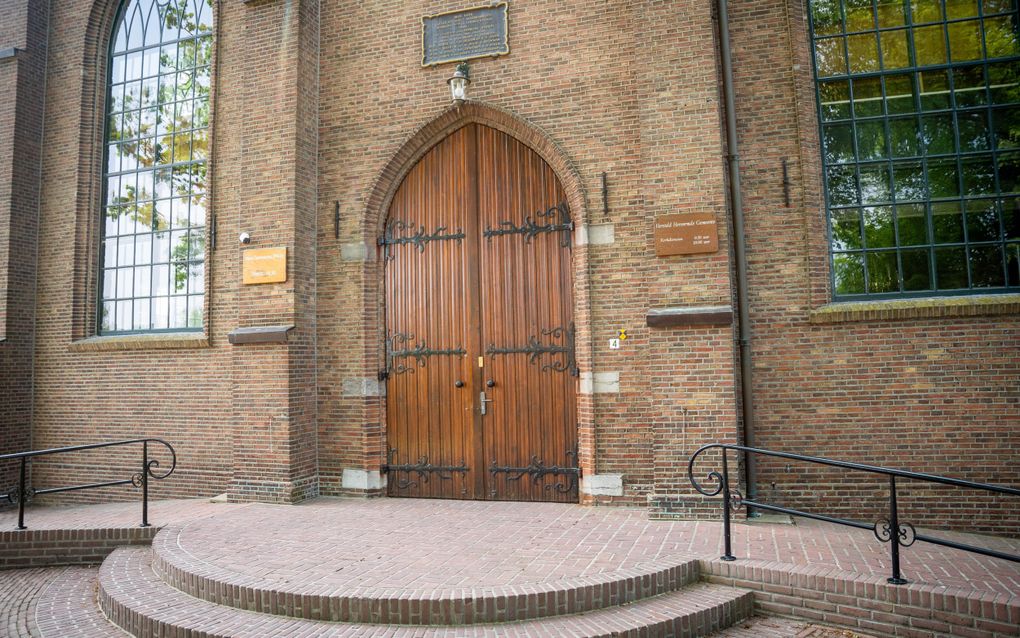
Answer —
160 341
917 308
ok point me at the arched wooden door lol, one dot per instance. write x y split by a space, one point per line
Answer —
480 336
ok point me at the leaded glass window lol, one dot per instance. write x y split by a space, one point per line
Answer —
155 192
919 108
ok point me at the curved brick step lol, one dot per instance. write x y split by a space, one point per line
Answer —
436 606
135 598
53 602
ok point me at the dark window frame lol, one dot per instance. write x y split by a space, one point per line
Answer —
192 235
886 163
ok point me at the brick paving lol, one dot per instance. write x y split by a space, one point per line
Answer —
55 602
352 548
414 544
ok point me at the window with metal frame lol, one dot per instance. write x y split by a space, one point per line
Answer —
919 108
152 254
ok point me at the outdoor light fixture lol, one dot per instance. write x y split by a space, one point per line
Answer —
459 84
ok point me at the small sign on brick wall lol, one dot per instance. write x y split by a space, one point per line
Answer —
264 265
686 234
465 34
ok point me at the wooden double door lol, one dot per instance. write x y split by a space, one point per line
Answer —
481 374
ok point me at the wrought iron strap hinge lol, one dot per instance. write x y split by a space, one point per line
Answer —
558 218
422 470
399 232
535 349
396 349
538 470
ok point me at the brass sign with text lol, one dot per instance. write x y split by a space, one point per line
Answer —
264 265
686 234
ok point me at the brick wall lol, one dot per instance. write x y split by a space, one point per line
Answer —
929 386
321 104
22 80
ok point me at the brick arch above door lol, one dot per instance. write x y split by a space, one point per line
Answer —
438 128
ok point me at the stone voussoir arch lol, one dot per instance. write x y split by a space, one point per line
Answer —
453 118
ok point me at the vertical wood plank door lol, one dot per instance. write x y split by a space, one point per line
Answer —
480 351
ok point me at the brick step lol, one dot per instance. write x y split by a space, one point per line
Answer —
416 606
135 598
65 606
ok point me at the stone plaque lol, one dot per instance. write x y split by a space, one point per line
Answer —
264 265
686 234
478 32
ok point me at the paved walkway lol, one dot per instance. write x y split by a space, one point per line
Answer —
328 545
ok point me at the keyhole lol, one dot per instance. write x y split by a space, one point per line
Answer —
490 384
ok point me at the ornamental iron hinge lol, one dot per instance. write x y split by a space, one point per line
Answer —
399 232
397 347
558 218
535 349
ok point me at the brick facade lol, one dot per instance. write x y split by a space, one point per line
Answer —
325 103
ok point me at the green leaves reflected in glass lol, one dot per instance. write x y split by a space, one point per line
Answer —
863 53
986 266
883 272
922 11
904 137
929 45
871 140
826 17
937 136
895 54
912 224
842 186
916 270
868 97
830 57
848 273
951 268
969 86
875 187
965 41
846 229
878 227
835 99
934 90
899 93
839 143
1010 209
947 222
891 13
983 220
908 180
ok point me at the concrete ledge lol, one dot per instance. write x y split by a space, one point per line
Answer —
9 53
152 341
690 316
259 334
917 308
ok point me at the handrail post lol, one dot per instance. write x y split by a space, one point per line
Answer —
728 555
22 494
894 533
145 484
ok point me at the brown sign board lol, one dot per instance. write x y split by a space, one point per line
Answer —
264 265
686 234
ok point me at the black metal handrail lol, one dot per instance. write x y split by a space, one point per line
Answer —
885 529
23 493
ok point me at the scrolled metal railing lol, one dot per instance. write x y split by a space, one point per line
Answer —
885 529
22 493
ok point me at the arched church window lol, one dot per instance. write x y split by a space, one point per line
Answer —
152 255
919 108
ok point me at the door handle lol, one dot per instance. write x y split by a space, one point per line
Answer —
482 401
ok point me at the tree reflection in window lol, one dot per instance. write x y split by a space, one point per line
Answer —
157 142
919 102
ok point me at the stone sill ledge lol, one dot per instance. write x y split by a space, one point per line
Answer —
163 341
917 308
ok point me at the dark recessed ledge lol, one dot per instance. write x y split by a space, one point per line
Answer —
9 53
689 316
259 334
